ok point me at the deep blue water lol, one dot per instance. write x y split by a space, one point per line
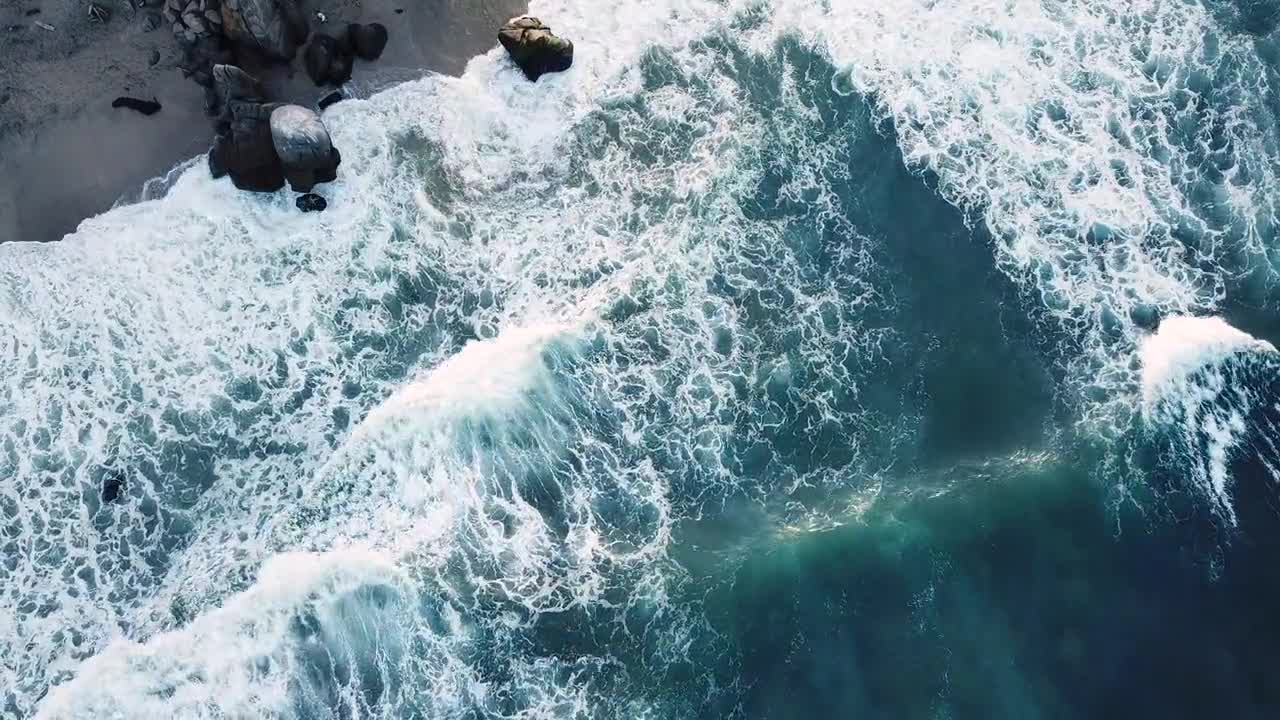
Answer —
781 360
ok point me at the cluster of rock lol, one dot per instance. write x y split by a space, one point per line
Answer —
262 145
212 32
329 59
194 19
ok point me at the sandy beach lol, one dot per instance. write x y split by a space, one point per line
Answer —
66 154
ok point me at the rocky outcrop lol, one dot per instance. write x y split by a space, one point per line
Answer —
274 28
263 145
245 150
243 147
193 19
327 61
367 41
303 145
230 83
534 48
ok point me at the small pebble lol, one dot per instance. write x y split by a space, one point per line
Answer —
33 11
4 98
399 11
155 58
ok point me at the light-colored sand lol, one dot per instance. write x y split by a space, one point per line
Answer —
66 154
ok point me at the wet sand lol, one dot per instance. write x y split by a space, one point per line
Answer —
66 154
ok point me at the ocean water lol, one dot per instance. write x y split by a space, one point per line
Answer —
782 359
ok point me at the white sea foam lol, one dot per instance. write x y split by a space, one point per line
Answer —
580 242
1190 389
244 658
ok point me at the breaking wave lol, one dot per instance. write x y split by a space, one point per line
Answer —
455 447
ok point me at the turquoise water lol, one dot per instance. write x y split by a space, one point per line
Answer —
782 359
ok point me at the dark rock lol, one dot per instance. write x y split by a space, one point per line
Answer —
151 22
33 11
146 107
4 98
318 56
268 26
367 41
231 84
112 483
311 202
244 149
331 99
154 59
296 19
303 145
534 48
329 173
326 61
340 70
399 11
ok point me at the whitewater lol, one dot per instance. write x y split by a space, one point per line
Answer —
495 434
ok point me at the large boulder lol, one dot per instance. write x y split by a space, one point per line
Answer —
230 83
367 41
328 61
274 28
303 145
245 150
534 48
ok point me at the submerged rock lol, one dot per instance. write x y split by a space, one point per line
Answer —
303 145
534 48
311 202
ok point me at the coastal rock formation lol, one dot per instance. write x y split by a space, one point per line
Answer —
273 27
243 147
193 19
303 145
534 48
367 41
231 84
245 151
327 61
262 145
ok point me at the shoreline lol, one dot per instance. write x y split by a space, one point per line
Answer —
68 155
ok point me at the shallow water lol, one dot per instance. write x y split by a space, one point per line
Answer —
781 359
